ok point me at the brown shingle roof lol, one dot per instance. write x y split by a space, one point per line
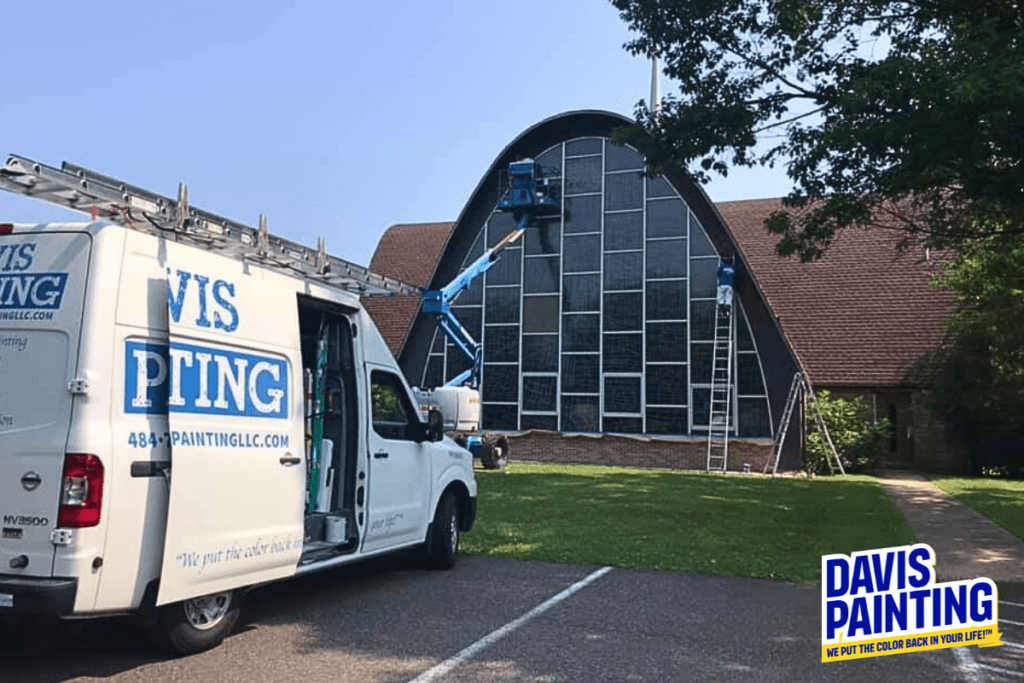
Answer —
859 316
409 252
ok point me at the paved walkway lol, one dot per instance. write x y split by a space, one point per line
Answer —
967 544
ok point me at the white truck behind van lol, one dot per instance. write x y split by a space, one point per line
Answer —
156 412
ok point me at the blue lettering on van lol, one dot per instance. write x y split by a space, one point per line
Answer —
16 257
185 378
224 319
32 291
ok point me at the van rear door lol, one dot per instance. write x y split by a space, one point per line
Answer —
43 276
238 478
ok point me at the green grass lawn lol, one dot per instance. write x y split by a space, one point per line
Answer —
680 521
1000 500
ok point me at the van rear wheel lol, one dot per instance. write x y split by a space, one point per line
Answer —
197 624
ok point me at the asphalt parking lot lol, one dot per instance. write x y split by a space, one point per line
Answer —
388 621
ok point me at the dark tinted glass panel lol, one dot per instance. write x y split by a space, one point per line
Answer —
470 319
659 187
544 239
583 146
666 258
582 214
551 158
699 244
582 253
623 231
623 425
704 278
666 300
623 271
622 353
434 375
540 393
472 294
700 360
666 342
754 417
622 394
500 418
580 414
702 314
666 385
540 275
580 332
502 304
457 363
666 218
582 175
501 343
438 344
743 340
618 158
540 314
623 312
748 374
666 420
540 353
581 292
623 191
580 373
477 250
498 226
701 399
501 383
505 270
547 422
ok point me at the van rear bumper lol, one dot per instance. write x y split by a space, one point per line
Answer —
31 596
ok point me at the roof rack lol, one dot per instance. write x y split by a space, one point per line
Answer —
101 196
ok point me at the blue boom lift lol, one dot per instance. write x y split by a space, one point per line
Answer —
531 194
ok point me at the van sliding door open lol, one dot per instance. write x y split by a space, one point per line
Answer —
235 514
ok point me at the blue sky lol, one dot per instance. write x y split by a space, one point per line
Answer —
333 118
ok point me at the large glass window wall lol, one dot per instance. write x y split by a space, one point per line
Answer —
602 320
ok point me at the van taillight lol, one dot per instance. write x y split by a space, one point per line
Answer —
6 228
81 491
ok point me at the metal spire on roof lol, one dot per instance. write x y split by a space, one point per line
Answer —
655 104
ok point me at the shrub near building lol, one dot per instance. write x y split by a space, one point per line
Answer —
857 438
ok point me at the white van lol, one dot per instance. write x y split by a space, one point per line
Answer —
155 422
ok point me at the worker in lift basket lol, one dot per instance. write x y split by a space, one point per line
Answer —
725 278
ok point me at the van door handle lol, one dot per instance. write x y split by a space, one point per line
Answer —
380 454
290 460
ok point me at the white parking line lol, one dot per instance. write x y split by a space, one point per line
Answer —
444 667
1011 621
1013 604
968 666
1015 646
998 670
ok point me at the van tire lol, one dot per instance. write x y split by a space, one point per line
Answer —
198 624
443 542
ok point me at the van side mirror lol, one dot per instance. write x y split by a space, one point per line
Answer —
435 425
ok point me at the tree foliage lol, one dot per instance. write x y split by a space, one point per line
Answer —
902 114
857 438
979 371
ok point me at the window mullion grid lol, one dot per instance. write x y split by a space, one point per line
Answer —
561 289
600 301
643 309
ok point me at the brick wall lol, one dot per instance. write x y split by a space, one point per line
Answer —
605 449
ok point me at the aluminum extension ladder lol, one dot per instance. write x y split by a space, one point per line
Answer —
101 196
802 384
720 407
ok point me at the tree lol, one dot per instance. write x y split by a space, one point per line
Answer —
978 374
901 114
857 438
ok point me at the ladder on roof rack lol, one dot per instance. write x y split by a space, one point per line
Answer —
101 196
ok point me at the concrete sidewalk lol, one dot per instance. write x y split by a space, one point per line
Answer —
967 544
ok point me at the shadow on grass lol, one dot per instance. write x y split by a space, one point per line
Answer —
679 521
